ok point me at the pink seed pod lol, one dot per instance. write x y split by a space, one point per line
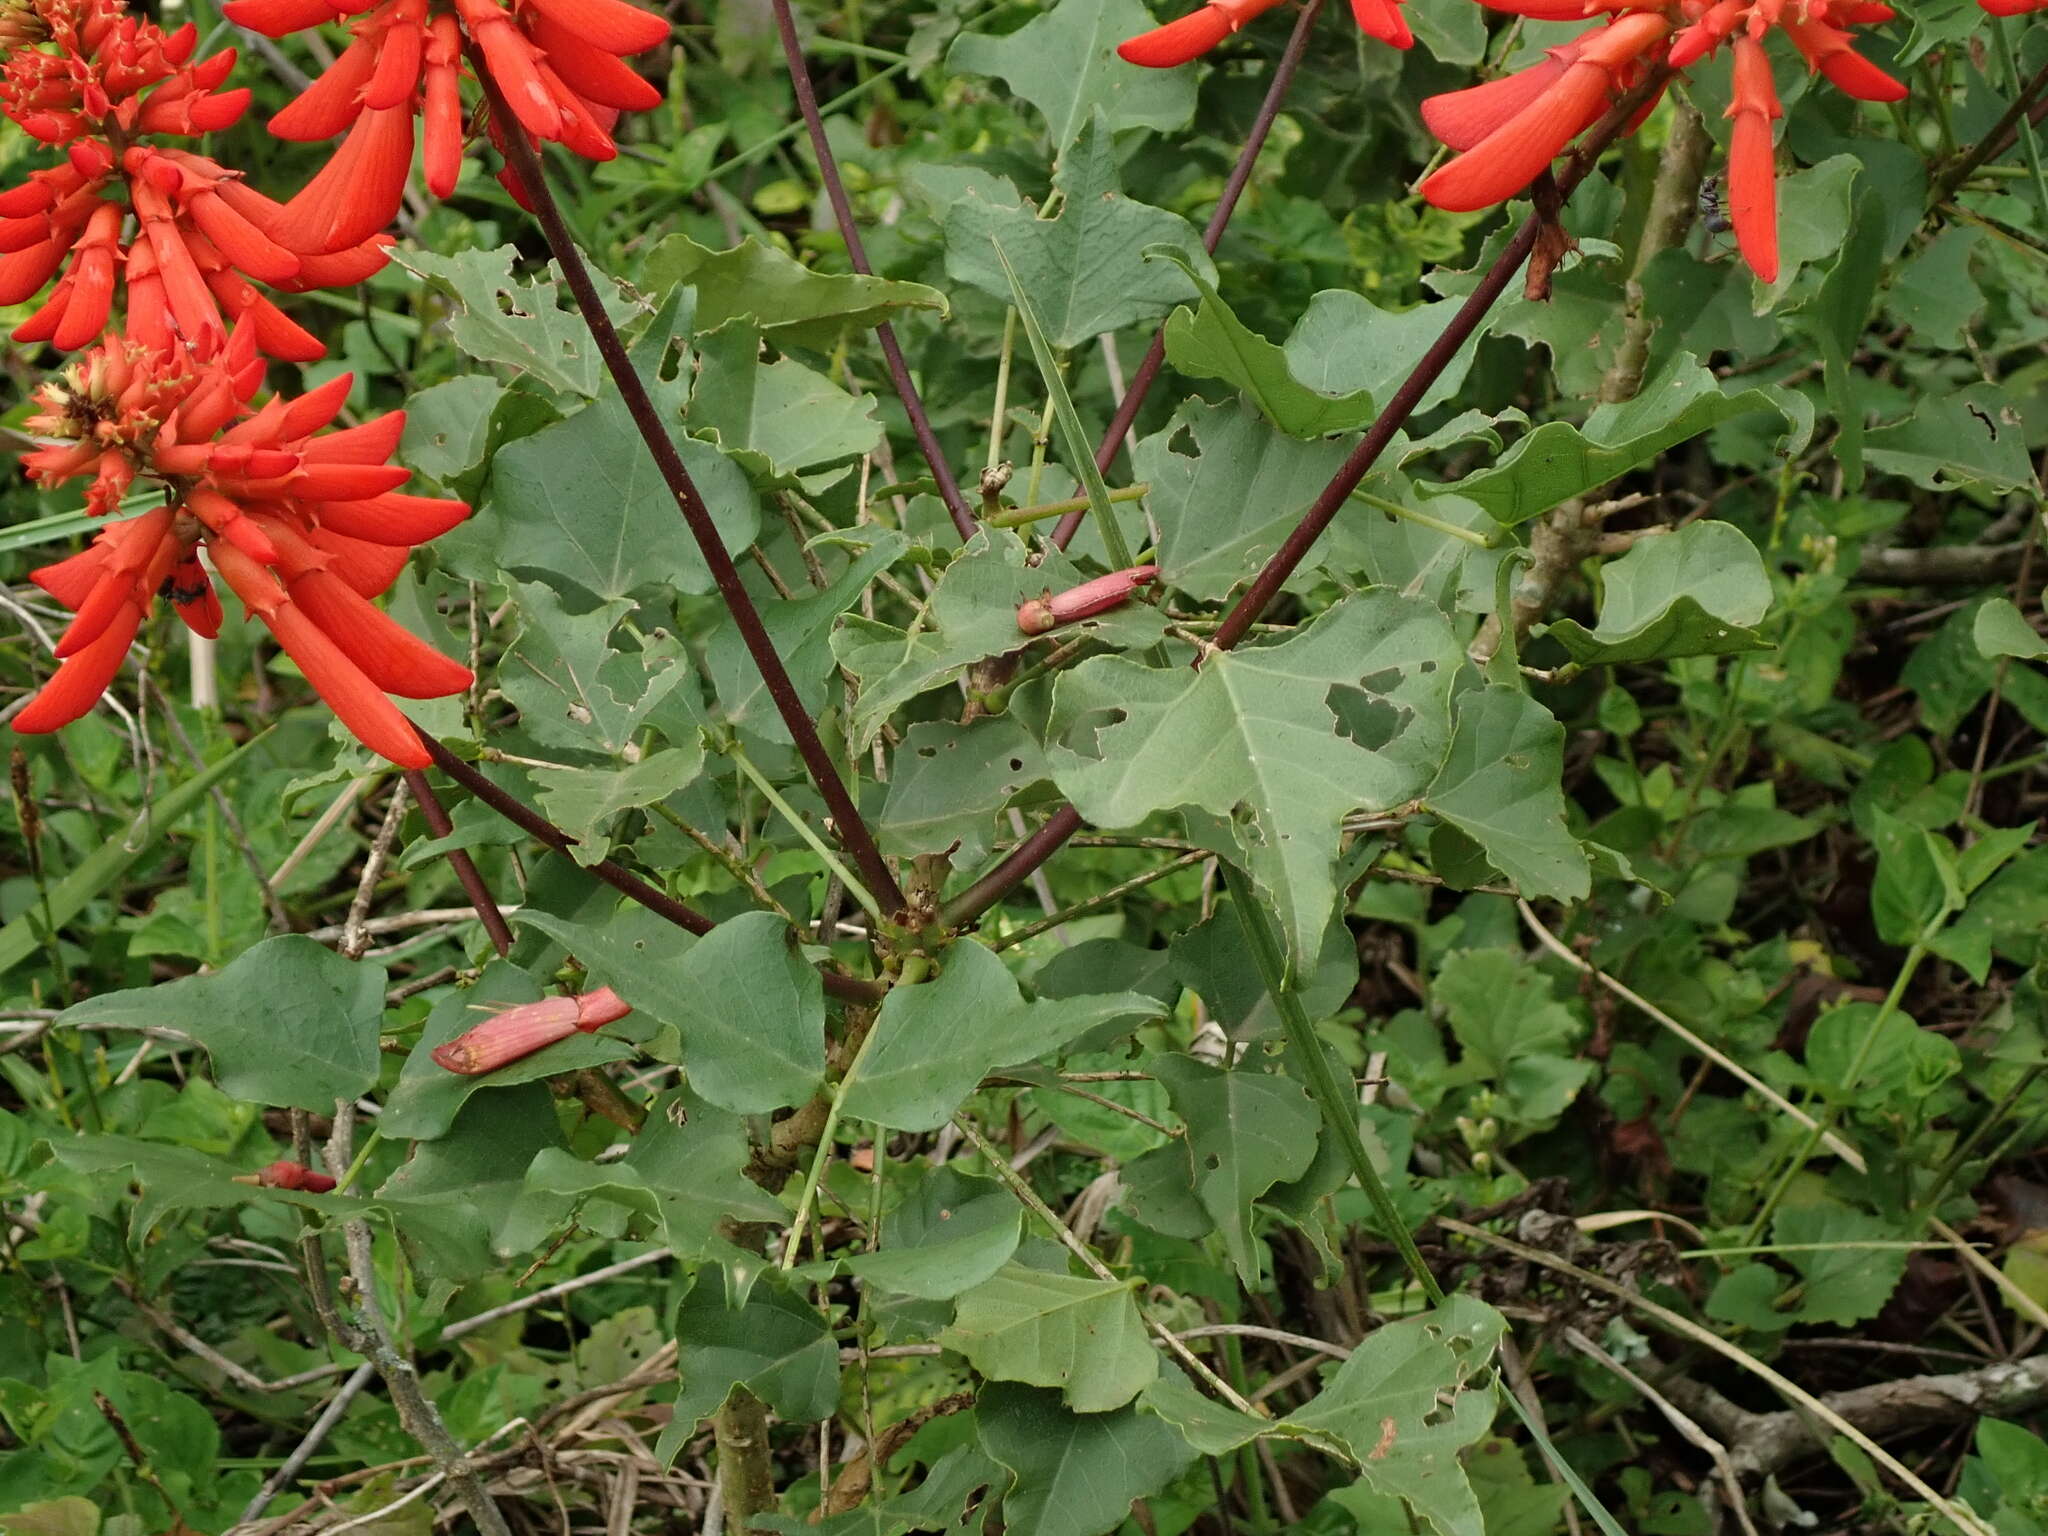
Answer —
288 1175
518 1032
1038 614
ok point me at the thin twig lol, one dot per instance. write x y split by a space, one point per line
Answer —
856 253
1021 1188
851 828
466 873
1133 400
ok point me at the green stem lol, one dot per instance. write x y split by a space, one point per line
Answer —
1423 519
355 1168
818 845
2026 123
1340 1109
1017 517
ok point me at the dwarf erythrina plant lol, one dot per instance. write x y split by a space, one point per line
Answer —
1051 767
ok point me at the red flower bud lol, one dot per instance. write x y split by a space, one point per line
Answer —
288 1175
518 1032
1039 614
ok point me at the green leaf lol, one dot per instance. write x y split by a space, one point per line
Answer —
948 781
934 1042
1224 509
289 1022
950 1232
1246 1132
448 426
1081 1335
427 1097
585 801
777 1346
801 629
1210 342
1512 1032
70 1516
1835 320
1815 207
572 686
1064 63
972 614
1500 785
582 502
1917 887
1214 959
1844 1285
500 319
471 1178
1345 344
685 1172
778 295
1213 1428
1558 461
1084 269
2001 629
775 419
1933 292
1077 1473
1412 1396
1284 740
98 870
1699 590
750 1010
1970 436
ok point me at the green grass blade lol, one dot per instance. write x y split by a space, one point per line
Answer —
24 936
1072 437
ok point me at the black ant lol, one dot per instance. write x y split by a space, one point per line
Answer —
1712 210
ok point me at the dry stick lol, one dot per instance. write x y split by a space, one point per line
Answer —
1064 823
303 1451
1963 1519
466 872
613 874
1133 399
852 831
842 212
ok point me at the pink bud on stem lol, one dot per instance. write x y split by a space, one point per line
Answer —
1039 614
518 1032
288 1175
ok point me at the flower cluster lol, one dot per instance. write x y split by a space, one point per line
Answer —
129 204
558 63
1507 131
152 254
1197 32
305 525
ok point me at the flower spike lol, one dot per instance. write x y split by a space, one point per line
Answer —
1752 170
1189 37
252 489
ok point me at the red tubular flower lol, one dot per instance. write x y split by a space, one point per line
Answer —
515 1033
2012 7
1752 169
1508 130
304 524
1040 614
1513 134
108 89
1194 34
559 63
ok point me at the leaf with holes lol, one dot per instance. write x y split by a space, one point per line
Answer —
1246 1132
1349 713
1410 1399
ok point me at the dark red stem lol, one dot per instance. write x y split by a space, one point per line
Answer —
1240 177
466 872
852 831
1018 865
842 212
611 873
